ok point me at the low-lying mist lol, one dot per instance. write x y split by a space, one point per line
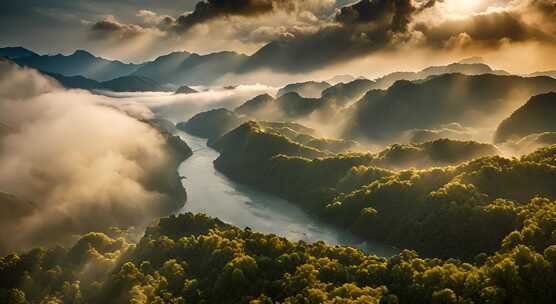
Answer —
72 162
181 107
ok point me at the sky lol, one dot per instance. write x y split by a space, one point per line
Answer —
362 37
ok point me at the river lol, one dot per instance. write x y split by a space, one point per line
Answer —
212 193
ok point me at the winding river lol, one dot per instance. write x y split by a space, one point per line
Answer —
212 193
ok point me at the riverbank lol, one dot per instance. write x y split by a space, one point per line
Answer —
214 194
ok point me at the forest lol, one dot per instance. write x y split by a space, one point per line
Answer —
197 259
278 152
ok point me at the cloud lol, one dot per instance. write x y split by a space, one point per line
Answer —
181 107
141 30
530 22
212 9
75 163
109 27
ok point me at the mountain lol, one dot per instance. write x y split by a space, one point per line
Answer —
133 84
76 82
472 60
80 63
297 56
259 106
536 116
211 124
194 69
468 100
185 90
166 64
343 93
309 89
440 152
120 84
545 73
341 79
293 105
15 52
462 68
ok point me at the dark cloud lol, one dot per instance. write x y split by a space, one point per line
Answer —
386 14
361 28
381 25
488 30
210 9
112 28
301 35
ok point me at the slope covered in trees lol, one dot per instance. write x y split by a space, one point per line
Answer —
211 124
536 116
454 211
469 100
196 259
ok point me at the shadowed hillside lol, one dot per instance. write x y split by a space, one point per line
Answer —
468 100
538 115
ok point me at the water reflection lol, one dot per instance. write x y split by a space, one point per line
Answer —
212 193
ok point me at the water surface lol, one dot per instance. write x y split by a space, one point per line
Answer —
212 193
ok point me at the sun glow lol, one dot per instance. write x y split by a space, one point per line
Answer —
464 6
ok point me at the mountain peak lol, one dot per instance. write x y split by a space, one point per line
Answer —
472 60
82 53
15 52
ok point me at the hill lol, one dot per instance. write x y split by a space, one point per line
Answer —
309 89
473 101
211 124
343 93
536 116
432 210
185 90
260 107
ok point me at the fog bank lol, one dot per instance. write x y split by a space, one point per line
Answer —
72 162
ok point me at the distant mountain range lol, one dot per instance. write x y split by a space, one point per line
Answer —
15 52
462 68
192 69
470 100
80 63
184 68
120 84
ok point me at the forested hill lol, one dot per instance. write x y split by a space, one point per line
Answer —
196 259
452 211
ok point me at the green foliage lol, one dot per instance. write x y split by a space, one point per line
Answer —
196 259
440 152
211 124
459 211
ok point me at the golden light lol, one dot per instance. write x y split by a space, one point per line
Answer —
464 6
